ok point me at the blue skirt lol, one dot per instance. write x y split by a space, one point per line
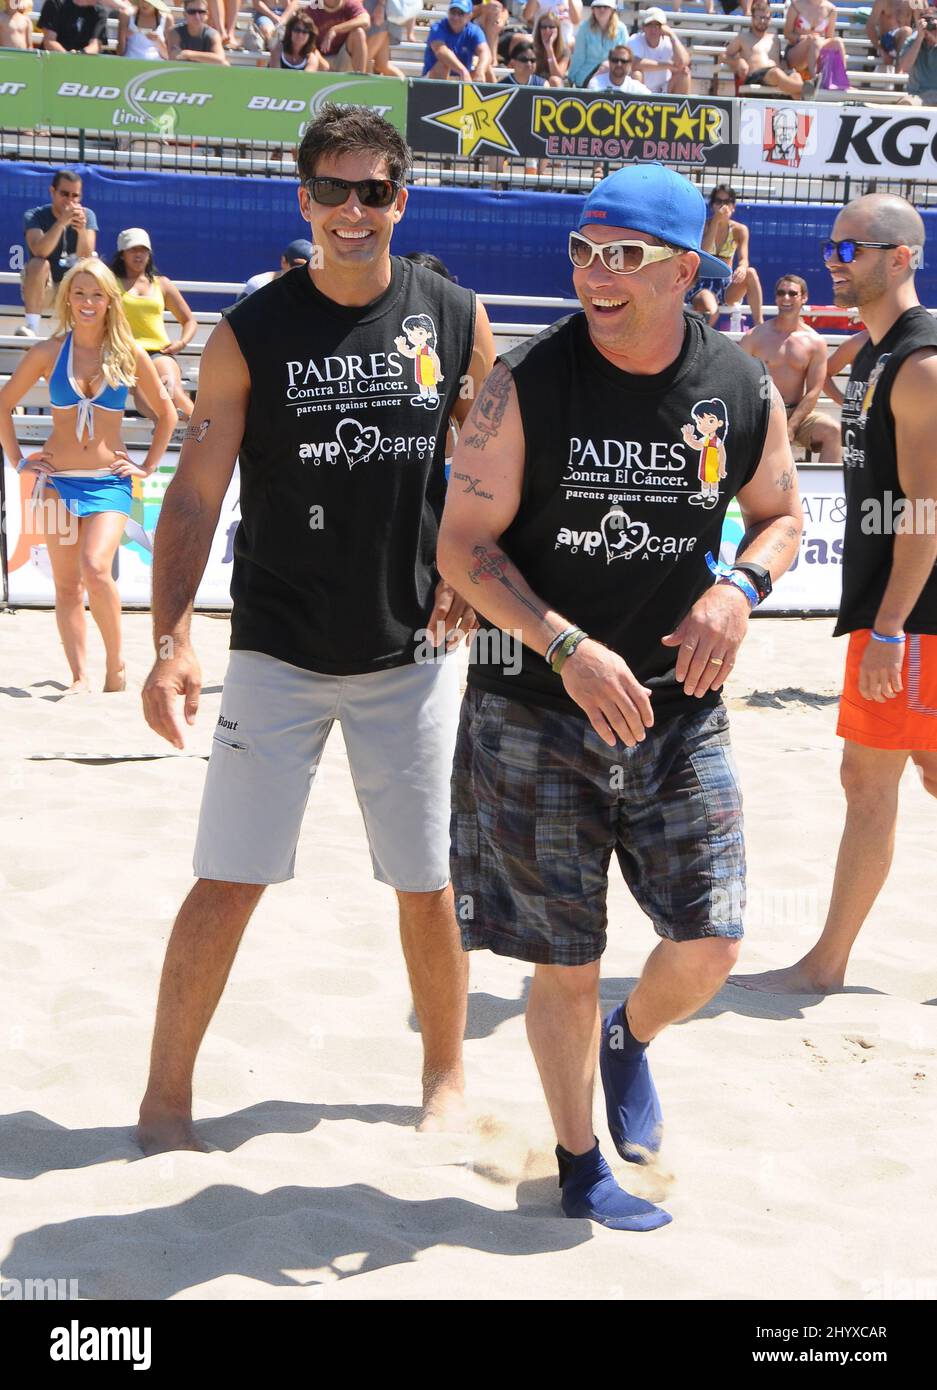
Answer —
87 493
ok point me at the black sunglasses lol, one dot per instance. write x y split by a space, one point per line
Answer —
618 62
372 193
845 250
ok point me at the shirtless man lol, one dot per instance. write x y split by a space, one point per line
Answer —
16 29
890 25
726 238
754 55
795 355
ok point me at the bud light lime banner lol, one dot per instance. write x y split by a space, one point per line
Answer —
467 119
176 100
21 90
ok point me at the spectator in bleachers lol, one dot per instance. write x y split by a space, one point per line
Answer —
73 26
342 27
16 26
298 50
727 239
919 60
595 38
380 36
618 78
269 18
550 49
796 357
568 13
889 27
754 55
57 234
743 7
142 30
660 59
430 262
843 357
222 15
299 252
194 40
456 47
491 17
523 65
812 44
146 295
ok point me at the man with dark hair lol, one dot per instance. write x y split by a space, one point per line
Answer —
337 604
918 58
299 252
522 63
726 238
888 710
612 737
58 234
618 78
73 26
796 356
754 55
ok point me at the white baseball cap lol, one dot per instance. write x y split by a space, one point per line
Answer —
134 236
655 15
604 5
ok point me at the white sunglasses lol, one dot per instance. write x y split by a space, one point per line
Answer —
623 257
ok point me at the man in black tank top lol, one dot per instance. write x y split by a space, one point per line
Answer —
888 710
587 491
333 388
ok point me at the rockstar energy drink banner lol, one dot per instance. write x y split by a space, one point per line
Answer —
468 120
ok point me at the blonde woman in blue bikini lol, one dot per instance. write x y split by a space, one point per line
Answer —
90 364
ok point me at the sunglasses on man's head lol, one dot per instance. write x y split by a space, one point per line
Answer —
372 193
845 250
623 257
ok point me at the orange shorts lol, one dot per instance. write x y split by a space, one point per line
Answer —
909 720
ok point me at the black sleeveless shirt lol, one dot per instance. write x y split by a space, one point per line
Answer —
626 483
870 473
342 467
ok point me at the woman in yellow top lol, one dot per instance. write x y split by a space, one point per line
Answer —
146 295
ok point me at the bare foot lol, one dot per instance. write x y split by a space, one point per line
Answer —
802 978
444 1109
114 684
79 686
165 1133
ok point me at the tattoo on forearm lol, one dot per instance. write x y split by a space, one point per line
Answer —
488 411
782 543
197 432
491 565
472 485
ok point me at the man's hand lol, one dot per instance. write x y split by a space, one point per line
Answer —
709 638
611 695
880 671
77 217
179 675
452 618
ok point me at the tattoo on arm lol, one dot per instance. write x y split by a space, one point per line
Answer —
488 411
471 485
491 565
197 432
786 479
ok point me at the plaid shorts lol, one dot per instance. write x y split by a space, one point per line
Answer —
538 804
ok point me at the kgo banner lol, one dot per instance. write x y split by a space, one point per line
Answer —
789 137
182 99
467 119
29 573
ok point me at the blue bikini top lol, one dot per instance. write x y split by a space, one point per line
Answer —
64 393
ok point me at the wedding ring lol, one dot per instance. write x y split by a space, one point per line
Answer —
715 661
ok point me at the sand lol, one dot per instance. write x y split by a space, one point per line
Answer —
798 1156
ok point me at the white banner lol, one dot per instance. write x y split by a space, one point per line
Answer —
814 583
799 137
29 574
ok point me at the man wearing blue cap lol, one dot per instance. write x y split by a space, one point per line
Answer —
456 47
602 456
299 252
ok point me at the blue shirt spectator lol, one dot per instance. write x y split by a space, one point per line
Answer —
461 37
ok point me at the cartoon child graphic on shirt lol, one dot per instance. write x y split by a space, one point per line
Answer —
711 419
420 346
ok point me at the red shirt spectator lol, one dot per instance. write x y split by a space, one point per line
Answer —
347 48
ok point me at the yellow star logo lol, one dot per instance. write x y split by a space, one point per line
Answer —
477 118
684 125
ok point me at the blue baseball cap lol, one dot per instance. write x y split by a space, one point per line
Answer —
651 198
463 6
298 251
